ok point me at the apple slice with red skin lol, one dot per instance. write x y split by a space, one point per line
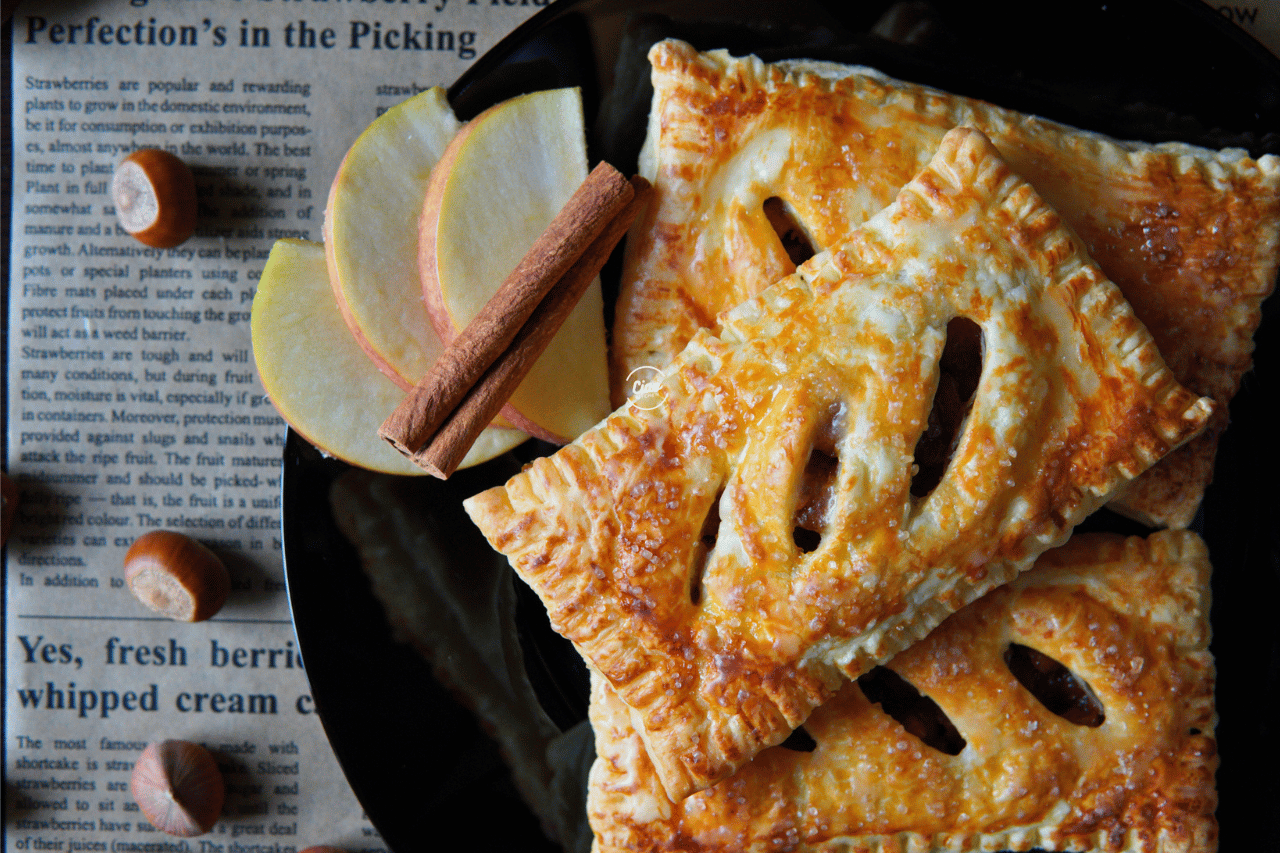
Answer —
316 375
499 183
370 238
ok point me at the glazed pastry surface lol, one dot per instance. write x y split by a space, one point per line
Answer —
726 555
1127 617
740 151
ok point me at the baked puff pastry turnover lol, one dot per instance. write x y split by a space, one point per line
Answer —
740 151
728 552
1124 761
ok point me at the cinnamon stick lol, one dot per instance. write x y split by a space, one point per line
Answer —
584 217
447 448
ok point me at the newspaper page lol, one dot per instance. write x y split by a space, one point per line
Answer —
1260 20
133 403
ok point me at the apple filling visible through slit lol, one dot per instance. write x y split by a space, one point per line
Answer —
917 713
795 240
702 549
1058 688
817 487
959 370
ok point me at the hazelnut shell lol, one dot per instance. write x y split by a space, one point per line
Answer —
178 787
175 575
155 197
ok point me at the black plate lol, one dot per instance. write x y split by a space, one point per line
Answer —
419 760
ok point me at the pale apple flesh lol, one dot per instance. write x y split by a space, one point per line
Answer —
318 377
371 244
501 180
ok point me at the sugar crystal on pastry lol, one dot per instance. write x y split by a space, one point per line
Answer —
663 540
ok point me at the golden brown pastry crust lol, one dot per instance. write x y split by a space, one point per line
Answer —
718 661
1189 235
1128 616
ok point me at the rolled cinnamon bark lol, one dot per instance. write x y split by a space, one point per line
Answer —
446 449
592 211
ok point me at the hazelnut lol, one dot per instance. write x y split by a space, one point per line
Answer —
177 576
322 848
178 787
155 197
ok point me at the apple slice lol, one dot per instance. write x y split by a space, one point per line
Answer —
499 183
317 376
371 238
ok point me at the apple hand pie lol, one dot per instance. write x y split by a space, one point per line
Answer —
751 163
1123 761
727 554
